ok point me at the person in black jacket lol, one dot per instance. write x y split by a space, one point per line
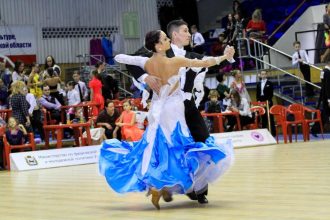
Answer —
324 99
178 31
265 93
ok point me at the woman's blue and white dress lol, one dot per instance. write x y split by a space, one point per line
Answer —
166 156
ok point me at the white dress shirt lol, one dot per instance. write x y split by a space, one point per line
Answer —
83 88
263 83
197 39
303 56
73 97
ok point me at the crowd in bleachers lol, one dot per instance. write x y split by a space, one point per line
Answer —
34 96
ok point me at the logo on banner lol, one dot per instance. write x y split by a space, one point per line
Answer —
31 160
257 136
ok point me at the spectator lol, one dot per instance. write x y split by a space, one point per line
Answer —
197 40
127 123
96 92
51 104
53 81
109 84
19 105
3 95
326 22
230 28
324 99
256 28
50 63
222 88
219 47
19 72
5 75
80 86
240 105
300 59
15 132
34 82
239 27
34 112
265 93
107 119
237 8
213 106
72 94
239 85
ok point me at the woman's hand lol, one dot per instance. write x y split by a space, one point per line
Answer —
234 109
20 127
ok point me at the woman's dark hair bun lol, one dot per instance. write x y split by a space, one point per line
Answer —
152 38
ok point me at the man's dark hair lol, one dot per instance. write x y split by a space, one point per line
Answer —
174 25
98 64
296 42
107 102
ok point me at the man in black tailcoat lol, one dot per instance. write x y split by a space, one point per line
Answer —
178 31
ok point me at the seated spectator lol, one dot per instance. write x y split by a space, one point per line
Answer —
219 47
107 119
213 106
15 132
197 40
51 104
239 85
240 105
80 86
256 28
127 123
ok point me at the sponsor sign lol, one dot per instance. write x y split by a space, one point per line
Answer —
17 40
247 138
32 160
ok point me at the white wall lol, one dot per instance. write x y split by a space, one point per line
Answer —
80 13
308 21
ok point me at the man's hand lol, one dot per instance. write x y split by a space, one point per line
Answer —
153 82
108 126
229 52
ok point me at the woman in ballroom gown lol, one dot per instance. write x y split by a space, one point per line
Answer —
166 160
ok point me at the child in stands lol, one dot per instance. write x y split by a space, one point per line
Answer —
213 106
127 122
15 133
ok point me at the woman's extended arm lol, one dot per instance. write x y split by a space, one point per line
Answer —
131 60
207 61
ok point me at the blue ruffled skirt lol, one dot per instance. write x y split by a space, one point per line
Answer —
180 166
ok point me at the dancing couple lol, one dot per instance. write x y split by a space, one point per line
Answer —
176 154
